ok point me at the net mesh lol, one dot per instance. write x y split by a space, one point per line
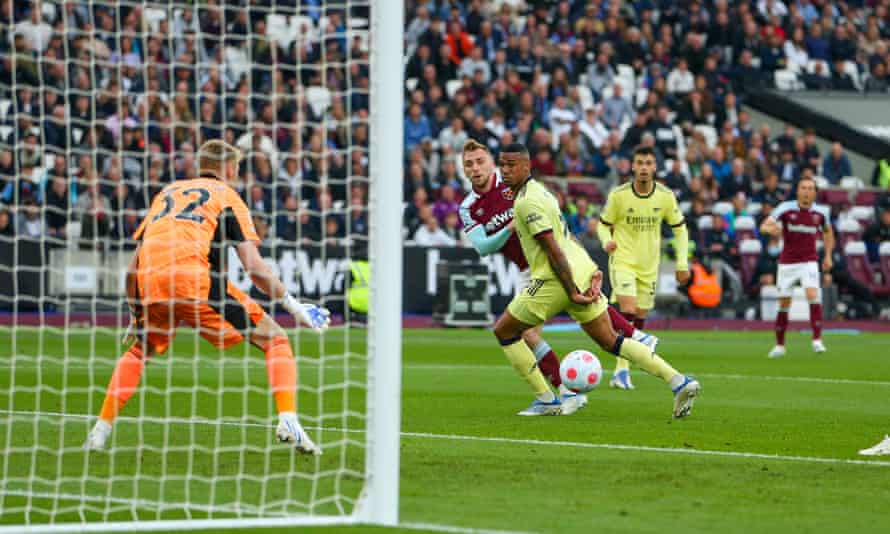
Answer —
101 105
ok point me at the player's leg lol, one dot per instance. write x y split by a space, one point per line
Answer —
811 287
237 315
597 325
159 332
786 277
548 363
624 292
523 313
626 328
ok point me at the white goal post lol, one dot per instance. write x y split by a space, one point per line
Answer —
44 415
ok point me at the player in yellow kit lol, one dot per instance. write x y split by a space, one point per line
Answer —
563 278
630 231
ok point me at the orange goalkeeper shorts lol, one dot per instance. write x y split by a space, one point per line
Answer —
223 320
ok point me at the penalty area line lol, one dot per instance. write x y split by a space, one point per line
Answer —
516 441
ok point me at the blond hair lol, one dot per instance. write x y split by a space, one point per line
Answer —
471 144
214 154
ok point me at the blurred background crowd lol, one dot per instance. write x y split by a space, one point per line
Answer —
100 107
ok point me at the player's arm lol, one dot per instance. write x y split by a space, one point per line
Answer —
488 244
674 217
607 219
134 301
828 241
239 230
267 281
560 265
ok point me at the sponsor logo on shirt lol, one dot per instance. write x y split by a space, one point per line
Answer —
802 228
507 193
532 217
499 220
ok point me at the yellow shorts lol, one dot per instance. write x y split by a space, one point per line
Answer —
540 300
626 283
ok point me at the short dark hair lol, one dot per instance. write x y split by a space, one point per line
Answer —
644 151
515 148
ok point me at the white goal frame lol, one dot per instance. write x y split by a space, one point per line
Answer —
378 502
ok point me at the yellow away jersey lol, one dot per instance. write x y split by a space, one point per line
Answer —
635 222
535 210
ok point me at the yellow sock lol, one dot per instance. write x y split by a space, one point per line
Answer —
524 362
621 364
643 358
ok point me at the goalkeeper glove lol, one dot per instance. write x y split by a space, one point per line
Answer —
310 315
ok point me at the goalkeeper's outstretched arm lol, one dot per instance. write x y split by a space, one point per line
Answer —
265 279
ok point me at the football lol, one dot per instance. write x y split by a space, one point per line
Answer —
581 371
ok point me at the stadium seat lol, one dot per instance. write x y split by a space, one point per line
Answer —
852 70
826 69
749 252
585 97
834 196
860 269
319 98
451 87
410 83
754 208
786 80
685 206
867 197
710 134
588 190
705 222
822 182
852 183
745 228
722 208
849 230
5 106
863 214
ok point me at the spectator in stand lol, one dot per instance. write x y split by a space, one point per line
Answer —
880 176
447 203
739 209
579 220
458 41
454 136
7 226
475 63
430 234
417 127
817 45
878 232
719 166
616 109
56 207
841 80
676 180
600 75
796 55
29 223
767 263
877 82
771 194
737 181
543 164
836 165
787 168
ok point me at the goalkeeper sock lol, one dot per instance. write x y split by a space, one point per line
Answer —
621 323
816 319
281 369
548 363
643 358
123 383
781 326
523 360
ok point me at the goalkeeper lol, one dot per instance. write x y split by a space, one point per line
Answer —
178 274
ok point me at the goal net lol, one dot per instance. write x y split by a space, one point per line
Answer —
102 103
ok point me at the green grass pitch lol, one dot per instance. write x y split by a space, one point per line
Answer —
770 447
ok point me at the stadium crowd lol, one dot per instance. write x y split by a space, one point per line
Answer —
101 106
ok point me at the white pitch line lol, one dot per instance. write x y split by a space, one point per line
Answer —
469 367
521 441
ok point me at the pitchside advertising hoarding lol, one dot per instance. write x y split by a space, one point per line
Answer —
29 272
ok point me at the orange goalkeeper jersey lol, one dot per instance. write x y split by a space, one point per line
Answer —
184 236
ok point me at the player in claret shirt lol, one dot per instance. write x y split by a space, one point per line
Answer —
799 223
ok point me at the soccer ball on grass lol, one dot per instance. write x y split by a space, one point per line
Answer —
580 371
